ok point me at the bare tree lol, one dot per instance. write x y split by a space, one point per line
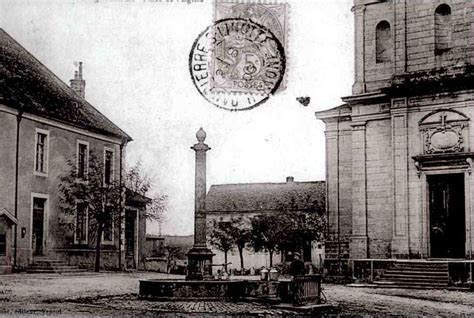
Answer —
141 183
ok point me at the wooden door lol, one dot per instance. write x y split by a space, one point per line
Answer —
447 216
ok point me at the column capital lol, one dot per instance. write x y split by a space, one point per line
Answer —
358 9
200 147
360 125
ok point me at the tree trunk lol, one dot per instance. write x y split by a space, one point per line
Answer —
271 257
225 261
301 249
97 249
241 254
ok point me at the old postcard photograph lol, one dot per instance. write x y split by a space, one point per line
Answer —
228 158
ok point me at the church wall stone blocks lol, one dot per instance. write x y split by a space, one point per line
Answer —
399 150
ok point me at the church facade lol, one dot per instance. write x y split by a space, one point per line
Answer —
400 149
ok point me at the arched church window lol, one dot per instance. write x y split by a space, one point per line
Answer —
383 42
443 30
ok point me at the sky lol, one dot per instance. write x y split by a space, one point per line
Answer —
135 56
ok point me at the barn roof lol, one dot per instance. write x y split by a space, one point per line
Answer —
260 197
26 84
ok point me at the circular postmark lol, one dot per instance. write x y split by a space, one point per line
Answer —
237 64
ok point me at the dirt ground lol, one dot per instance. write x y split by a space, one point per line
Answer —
115 294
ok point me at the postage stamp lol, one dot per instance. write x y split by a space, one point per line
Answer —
272 16
236 64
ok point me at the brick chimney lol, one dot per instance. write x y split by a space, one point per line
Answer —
290 179
78 84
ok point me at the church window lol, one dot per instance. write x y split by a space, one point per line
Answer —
443 30
383 42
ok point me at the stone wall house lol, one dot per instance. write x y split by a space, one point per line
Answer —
400 148
44 122
227 201
7 221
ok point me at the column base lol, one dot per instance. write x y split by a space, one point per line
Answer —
199 263
359 247
400 247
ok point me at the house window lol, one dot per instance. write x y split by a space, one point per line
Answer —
108 166
383 42
108 226
41 157
81 223
82 159
443 30
3 240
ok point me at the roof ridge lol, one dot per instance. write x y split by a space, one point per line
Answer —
272 183
70 92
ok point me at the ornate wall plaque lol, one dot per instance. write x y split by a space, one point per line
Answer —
443 132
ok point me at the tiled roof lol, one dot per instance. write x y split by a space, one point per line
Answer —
259 197
27 84
4 212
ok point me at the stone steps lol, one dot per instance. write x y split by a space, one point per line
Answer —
415 273
43 266
409 286
411 274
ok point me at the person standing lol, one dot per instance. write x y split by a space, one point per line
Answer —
297 265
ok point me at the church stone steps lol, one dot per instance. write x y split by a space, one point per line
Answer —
416 272
416 279
410 286
421 267
411 274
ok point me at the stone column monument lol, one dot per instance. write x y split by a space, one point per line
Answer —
200 257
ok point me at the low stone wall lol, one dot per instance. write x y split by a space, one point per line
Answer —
461 272
247 290
367 270
5 269
159 289
85 258
156 264
337 271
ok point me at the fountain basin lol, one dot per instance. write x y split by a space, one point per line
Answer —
178 289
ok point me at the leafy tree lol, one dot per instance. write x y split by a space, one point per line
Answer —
221 237
290 229
225 235
103 199
267 233
302 225
241 235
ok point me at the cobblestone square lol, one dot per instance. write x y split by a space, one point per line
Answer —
115 294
